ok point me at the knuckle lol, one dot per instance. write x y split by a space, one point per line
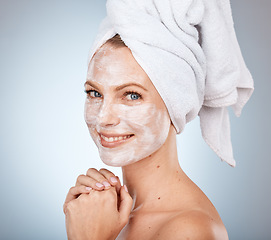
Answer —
105 171
91 170
107 199
95 196
83 198
110 197
72 189
111 200
79 177
111 194
64 207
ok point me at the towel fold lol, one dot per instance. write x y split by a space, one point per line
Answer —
189 50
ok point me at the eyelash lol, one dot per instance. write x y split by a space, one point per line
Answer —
125 94
89 91
133 92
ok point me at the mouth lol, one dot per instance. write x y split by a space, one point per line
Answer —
111 141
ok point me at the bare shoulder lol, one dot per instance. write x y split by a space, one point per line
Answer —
193 224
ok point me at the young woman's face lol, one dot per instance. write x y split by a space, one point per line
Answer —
126 116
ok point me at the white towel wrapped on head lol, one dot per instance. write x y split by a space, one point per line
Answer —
189 50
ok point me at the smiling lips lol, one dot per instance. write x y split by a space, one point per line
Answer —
113 141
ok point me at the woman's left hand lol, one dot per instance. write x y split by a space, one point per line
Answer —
97 215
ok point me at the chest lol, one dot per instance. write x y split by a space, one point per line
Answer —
143 226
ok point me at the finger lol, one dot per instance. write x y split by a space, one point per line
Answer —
126 203
100 179
90 182
111 197
91 179
112 178
118 186
73 193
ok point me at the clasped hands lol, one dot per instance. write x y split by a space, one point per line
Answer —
97 207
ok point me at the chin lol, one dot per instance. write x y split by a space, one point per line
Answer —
126 156
118 162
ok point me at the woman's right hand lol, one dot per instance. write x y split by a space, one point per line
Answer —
94 179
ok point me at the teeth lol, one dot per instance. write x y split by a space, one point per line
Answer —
112 139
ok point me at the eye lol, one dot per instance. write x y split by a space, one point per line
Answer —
93 93
132 96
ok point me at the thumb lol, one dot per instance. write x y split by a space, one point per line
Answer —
126 203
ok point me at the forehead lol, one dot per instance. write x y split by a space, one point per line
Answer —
116 66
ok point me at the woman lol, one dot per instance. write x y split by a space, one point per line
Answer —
166 203
133 118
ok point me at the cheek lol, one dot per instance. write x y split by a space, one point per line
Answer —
91 112
146 119
135 116
156 129
143 120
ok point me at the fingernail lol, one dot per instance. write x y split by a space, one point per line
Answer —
113 180
99 185
125 188
106 184
88 188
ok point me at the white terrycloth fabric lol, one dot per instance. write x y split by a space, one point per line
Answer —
190 52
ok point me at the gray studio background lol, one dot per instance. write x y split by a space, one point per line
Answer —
45 144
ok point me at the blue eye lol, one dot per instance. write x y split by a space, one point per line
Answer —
132 95
93 93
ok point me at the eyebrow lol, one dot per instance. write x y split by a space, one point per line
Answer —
91 84
130 84
119 87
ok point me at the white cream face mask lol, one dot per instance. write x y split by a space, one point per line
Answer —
126 126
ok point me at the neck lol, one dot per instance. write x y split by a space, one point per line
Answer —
150 180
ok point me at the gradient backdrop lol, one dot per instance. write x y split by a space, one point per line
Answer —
45 143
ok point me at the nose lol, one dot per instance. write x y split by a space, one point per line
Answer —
108 115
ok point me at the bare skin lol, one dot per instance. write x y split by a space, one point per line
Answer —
166 199
165 203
